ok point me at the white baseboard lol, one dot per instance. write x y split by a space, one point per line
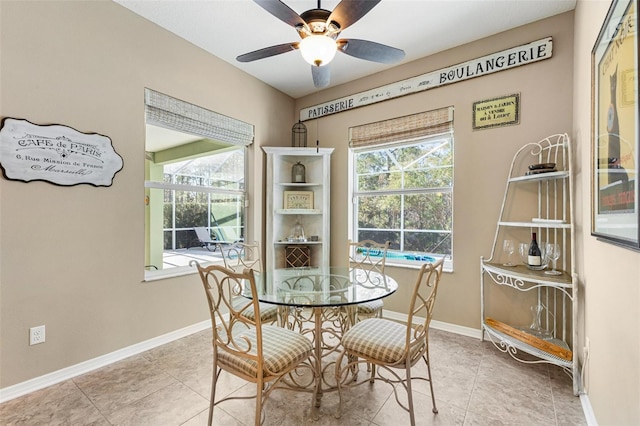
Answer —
67 373
588 410
438 325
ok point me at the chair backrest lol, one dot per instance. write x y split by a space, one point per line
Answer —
367 256
203 234
240 256
223 288
421 306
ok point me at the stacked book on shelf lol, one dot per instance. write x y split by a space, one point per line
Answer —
535 169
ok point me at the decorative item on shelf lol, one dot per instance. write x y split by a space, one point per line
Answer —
507 246
535 255
298 173
314 238
530 339
535 169
552 252
523 249
297 257
536 325
299 135
297 233
298 200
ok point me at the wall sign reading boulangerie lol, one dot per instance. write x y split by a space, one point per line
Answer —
500 61
56 153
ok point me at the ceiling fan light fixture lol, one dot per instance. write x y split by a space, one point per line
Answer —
317 49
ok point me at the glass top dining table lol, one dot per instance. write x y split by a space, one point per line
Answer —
321 287
321 303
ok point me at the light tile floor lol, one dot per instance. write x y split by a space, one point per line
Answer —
474 384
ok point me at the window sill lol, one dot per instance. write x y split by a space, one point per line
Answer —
180 271
447 267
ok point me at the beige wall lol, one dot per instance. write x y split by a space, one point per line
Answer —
482 157
611 275
72 257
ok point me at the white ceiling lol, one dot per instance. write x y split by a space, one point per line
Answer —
228 28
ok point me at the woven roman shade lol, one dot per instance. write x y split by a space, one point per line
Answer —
410 127
165 111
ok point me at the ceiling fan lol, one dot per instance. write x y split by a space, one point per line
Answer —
319 29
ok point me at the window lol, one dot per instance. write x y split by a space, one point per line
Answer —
194 177
203 192
402 190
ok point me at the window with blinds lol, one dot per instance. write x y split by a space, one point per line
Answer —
402 185
194 178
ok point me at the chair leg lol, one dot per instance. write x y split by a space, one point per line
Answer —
412 416
214 380
259 386
428 362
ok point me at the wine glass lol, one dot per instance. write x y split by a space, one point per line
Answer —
508 247
553 251
523 249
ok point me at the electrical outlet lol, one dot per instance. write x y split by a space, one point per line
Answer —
36 335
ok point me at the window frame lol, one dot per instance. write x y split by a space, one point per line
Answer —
152 275
353 195
162 110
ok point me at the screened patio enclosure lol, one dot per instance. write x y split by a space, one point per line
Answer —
207 191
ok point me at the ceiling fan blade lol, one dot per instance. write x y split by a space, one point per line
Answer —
370 51
281 11
321 75
267 52
349 11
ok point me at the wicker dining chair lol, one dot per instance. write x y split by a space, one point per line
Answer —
368 256
240 256
390 345
259 353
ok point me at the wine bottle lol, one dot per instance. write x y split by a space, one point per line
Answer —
535 255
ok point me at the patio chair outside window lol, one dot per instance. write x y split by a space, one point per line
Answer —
204 238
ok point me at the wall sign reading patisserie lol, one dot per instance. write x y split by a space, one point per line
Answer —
57 154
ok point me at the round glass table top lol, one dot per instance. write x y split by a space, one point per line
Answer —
321 286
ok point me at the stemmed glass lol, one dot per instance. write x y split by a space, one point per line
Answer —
508 248
523 249
553 252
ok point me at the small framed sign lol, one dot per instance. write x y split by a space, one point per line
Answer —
496 112
298 199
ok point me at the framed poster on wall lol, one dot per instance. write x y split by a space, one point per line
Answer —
615 152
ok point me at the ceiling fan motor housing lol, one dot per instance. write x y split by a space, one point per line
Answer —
316 20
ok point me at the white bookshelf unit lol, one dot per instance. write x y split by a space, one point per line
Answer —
314 217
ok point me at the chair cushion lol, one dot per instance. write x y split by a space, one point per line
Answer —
370 307
268 312
378 339
282 349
